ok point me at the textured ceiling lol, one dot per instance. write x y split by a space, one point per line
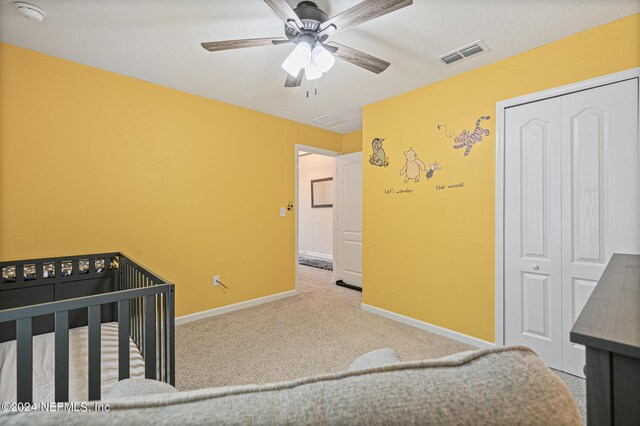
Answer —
159 41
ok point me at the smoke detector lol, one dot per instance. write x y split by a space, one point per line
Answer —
31 12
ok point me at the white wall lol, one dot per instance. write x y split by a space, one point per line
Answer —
316 225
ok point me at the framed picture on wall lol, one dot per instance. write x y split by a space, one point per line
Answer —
322 193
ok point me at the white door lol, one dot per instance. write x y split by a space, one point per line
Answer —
571 201
533 290
348 252
599 194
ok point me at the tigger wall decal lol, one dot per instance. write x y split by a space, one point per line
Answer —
466 138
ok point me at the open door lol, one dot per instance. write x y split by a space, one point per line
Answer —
348 221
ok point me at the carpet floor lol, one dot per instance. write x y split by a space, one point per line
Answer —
320 330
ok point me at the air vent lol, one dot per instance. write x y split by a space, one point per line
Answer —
449 59
329 121
464 52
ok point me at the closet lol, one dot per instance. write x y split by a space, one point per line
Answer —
570 201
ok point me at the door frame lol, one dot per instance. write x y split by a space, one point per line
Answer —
320 151
501 108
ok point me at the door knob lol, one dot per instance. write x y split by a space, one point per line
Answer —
535 267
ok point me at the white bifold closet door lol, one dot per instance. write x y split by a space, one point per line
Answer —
571 201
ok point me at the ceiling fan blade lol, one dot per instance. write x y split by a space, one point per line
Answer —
359 58
213 46
363 12
284 11
294 81
332 49
281 41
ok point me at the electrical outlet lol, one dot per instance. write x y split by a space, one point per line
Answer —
216 280
283 211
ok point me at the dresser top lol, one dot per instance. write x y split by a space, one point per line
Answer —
611 318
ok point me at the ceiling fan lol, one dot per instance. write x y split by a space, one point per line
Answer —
308 28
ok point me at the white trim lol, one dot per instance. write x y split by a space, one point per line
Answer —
460 337
499 231
234 307
336 206
315 255
313 150
569 88
501 108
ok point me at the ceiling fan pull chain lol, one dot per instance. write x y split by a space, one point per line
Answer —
315 83
307 88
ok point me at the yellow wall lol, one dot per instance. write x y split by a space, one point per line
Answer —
429 254
92 161
352 142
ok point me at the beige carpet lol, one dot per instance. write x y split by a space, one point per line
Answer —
320 330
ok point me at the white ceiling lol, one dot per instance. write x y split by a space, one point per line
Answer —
159 41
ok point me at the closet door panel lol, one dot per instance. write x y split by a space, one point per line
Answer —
532 229
587 140
599 194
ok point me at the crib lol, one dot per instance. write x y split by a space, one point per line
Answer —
87 298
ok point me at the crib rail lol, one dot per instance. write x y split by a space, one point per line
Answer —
149 328
33 272
143 301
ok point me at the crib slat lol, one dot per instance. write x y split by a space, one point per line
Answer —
140 312
150 337
24 360
57 266
116 274
19 273
123 339
39 272
94 352
136 310
171 350
158 337
132 307
62 356
165 308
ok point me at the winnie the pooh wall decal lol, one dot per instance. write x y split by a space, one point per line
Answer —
466 139
379 157
412 167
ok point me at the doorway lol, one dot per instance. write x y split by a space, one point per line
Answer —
315 198
567 193
328 240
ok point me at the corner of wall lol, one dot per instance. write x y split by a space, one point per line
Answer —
352 142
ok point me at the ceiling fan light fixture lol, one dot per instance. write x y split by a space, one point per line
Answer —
297 59
312 72
309 27
323 59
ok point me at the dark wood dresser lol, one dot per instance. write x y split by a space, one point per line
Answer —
609 327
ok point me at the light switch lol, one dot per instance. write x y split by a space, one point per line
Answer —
283 211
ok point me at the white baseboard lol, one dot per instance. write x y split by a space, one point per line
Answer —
235 307
315 255
464 338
